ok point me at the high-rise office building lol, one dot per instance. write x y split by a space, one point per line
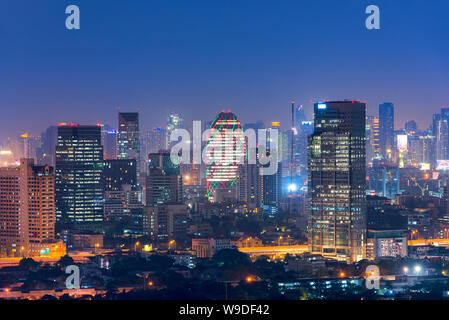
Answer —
383 179
386 130
122 195
372 138
79 171
441 124
303 128
336 180
31 144
27 211
164 180
224 152
271 191
109 142
46 152
128 138
174 121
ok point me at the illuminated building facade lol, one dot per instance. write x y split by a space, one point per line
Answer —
46 151
128 138
386 130
225 150
164 180
304 127
27 211
383 179
372 138
109 142
336 180
174 121
441 132
386 243
79 171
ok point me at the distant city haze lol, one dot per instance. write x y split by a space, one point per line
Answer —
197 58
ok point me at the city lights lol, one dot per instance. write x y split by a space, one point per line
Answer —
224 151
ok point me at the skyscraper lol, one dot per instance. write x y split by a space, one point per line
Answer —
224 151
372 138
128 138
46 152
164 180
303 129
122 196
109 142
174 121
442 134
386 130
79 170
27 211
336 180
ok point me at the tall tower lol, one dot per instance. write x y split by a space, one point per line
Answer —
336 180
174 121
128 139
225 151
164 181
386 130
79 169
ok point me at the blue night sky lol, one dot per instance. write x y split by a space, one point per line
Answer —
197 57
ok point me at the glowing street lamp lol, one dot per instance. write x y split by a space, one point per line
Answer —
292 187
418 269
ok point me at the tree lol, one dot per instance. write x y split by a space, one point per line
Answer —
29 264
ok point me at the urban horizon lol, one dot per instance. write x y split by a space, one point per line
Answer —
224 159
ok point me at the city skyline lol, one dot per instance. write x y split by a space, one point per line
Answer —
84 75
251 151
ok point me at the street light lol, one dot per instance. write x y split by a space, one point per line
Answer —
405 270
418 269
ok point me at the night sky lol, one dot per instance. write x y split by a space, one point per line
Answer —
197 57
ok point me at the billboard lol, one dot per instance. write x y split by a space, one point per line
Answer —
402 141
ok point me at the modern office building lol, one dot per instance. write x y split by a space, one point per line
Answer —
441 127
79 171
109 142
164 181
386 130
153 141
174 121
336 180
225 150
46 152
304 127
27 211
383 179
128 138
372 138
